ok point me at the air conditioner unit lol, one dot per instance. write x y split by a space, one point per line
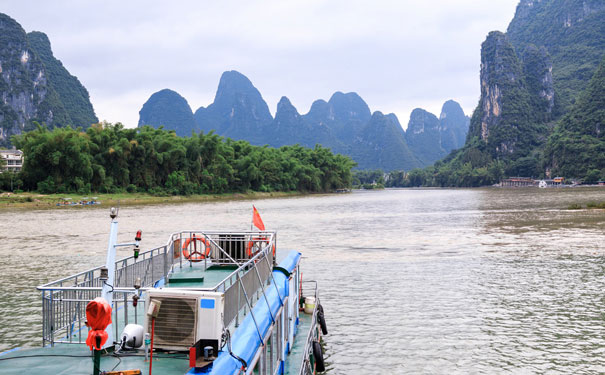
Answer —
186 317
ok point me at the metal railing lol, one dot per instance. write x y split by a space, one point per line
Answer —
309 288
64 301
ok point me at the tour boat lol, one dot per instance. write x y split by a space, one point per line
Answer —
205 302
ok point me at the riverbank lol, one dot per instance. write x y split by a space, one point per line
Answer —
37 201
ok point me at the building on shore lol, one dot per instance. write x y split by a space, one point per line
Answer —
518 182
13 160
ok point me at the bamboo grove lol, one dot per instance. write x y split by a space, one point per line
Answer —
109 158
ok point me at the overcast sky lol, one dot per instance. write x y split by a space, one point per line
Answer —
397 55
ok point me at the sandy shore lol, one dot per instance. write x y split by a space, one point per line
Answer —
37 201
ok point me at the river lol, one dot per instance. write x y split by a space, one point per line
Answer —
411 280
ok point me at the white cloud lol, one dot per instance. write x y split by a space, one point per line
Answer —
398 55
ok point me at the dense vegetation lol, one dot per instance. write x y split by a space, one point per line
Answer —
368 179
577 145
110 158
573 32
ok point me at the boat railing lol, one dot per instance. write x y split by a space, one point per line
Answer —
307 367
250 253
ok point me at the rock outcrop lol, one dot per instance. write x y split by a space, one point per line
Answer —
381 144
577 145
343 124
424 137
28 87
72 93
453 126
168 109
573 34
345 114
431 138
502 119
238 111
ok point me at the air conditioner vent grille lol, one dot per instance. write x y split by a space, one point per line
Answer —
175 324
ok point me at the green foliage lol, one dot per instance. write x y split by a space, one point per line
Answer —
368 177
573 32
592 177
9 181
577 145
600 205
109 158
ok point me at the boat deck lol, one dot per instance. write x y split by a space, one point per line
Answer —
69 359
77 358
296 354
196 276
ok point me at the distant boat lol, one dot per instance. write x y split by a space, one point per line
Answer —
64 202
87 201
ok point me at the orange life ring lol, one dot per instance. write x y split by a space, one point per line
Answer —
195 256
255 240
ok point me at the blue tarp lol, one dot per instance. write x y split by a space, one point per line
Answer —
246 339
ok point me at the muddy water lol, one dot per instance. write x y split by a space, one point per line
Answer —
412 281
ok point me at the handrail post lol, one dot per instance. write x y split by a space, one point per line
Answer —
281 302
263 290
250 307
44 320
180 249
52 316
152 267
165 261
238 304
125 310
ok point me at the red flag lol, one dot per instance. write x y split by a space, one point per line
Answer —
256 220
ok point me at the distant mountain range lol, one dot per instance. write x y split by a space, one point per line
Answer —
35 86
344 123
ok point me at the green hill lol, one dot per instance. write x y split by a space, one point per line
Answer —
532 79
577 146
72 93
34 86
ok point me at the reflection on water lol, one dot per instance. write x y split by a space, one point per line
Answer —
412 281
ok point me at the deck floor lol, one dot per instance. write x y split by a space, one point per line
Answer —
70 359
196 276
296 354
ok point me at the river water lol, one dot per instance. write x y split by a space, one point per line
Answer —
411 280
